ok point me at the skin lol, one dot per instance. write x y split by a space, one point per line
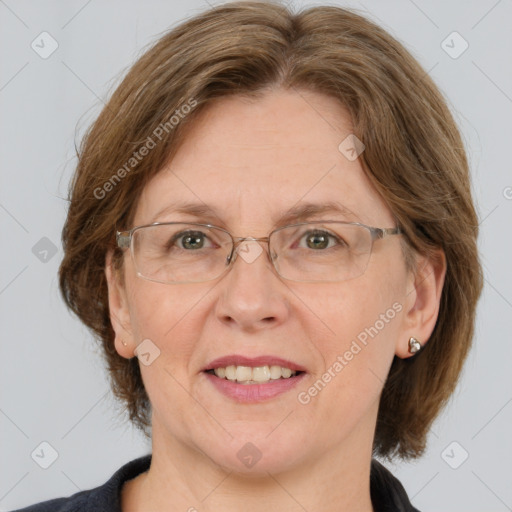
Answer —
251 160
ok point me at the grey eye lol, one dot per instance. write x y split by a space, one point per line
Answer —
189 240
318 240
193 240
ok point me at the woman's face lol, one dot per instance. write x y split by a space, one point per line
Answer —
250 161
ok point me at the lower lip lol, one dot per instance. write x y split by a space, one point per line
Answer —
254 392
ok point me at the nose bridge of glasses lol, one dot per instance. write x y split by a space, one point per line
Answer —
238 242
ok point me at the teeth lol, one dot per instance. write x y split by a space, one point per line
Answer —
286 372
243 373
275 372
261 373
250 375
230 372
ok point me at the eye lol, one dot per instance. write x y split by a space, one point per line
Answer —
189 240
319 239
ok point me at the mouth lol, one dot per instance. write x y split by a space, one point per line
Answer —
248 375
253 379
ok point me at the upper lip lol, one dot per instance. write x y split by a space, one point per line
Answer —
239 360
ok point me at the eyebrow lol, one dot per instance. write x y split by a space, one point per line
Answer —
296 213
304 211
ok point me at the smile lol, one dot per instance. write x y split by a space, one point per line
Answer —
249 379
253 375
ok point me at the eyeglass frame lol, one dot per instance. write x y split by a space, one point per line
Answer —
124 241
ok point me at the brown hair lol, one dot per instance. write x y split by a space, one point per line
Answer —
414 156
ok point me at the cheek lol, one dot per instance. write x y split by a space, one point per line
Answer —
355 340
169 318
356 330
358 309
163 314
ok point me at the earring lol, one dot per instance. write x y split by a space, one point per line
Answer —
124 343
414 345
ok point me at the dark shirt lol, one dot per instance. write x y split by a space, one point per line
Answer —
387 493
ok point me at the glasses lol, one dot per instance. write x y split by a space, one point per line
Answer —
321 251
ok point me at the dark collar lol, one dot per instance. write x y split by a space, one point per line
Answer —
386 491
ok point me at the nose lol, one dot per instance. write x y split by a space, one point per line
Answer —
252 295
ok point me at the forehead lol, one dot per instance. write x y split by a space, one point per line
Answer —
251 160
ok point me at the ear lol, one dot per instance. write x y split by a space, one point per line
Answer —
119 310
422 301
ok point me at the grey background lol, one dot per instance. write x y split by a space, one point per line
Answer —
53 387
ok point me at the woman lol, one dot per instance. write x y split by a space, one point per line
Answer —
271 231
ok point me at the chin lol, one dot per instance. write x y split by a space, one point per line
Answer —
257 451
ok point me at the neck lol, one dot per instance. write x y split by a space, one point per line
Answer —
183 478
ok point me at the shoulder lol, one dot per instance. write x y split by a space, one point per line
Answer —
387 493
105 498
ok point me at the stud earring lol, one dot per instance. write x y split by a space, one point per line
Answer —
124 343
414 345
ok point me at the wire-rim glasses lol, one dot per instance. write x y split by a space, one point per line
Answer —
188 252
